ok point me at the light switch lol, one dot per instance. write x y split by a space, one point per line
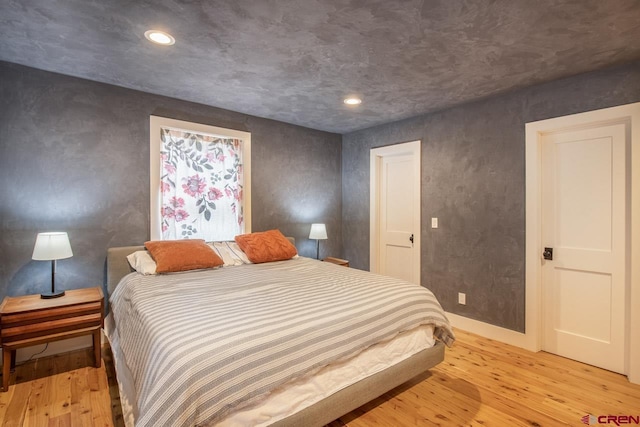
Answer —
434 222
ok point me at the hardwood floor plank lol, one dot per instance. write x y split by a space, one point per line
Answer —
60 396
14 412
60 421
540 399
480 383
100 399
470 409
551 364
55 391
576 393
556 384
80 398
500 402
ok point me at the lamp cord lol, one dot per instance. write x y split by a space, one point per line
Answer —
35 354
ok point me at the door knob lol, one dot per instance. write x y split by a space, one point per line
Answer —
548 254
411 238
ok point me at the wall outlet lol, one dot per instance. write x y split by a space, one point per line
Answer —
462 298
434 222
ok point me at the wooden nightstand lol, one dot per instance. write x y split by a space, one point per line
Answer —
30 320
332 260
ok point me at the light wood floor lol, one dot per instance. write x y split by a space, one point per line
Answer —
481 382
62 390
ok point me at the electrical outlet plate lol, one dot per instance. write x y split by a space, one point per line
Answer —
434 222
462 298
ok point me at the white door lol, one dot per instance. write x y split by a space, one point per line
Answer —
584 174
396 222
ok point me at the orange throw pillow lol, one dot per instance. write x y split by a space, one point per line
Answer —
182 255
266 246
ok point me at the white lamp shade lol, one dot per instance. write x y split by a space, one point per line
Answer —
318 232
50 246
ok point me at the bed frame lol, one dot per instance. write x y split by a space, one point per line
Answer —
336 405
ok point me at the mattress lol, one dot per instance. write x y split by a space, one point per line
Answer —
181 359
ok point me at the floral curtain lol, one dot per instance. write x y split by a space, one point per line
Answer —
201 186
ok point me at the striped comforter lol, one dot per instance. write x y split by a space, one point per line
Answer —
203 344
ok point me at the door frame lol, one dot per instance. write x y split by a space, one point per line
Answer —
628 114
377 154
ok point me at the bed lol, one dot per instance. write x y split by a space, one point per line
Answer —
154 383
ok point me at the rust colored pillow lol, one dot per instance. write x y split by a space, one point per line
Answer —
266 246
182 255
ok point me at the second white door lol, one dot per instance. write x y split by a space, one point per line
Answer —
584 223
396 220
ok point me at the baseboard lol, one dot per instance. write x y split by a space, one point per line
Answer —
490 331
54 347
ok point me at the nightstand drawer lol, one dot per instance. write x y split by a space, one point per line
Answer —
33 330
41 316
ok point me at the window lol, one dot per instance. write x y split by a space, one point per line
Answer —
200 181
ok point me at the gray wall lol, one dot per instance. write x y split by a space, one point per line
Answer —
74 156
473 180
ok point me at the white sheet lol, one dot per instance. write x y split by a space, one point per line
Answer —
296 395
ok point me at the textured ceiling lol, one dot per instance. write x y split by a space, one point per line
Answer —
295 60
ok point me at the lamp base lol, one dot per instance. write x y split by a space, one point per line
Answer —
49 295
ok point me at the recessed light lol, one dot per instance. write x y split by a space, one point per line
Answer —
353 101
160 37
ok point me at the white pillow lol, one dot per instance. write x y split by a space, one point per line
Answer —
142 262
230 253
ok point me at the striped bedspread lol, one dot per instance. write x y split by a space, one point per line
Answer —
201 345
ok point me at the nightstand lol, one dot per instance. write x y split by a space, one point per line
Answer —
30 320
332 260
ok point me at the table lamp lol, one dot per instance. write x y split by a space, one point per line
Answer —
318 232
52 246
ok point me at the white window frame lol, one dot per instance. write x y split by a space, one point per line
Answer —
155 144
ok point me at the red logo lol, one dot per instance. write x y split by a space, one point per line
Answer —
589 420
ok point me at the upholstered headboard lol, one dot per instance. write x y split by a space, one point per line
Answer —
118 266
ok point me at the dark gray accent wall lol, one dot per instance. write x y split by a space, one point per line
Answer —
74 156
473 180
